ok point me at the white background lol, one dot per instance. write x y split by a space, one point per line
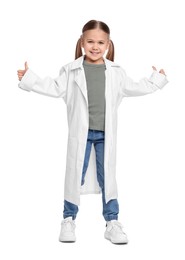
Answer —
33 139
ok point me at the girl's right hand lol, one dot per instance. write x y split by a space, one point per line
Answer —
161 70
21 73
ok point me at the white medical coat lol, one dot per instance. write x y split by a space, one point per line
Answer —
71 86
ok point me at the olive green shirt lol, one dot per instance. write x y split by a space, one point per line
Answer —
95 78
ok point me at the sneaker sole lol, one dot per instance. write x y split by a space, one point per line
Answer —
67 240
116 242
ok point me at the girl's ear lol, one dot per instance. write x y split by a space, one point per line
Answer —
108 45
82 42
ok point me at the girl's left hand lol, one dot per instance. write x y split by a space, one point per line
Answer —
161 70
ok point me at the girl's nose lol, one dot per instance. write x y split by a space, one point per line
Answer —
95 47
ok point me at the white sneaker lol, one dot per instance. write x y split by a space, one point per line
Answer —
114 233
67 233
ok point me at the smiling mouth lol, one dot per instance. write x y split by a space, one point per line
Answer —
94 53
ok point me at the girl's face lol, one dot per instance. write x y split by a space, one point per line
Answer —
95 42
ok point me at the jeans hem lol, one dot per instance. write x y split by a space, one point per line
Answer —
111 218
67 216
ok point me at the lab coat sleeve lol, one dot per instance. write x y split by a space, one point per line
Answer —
145 86
47 86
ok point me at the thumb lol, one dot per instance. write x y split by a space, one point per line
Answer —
154 68
26 66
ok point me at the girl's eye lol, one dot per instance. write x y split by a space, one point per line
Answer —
92 42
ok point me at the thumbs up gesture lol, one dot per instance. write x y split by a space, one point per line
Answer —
161 70
21 73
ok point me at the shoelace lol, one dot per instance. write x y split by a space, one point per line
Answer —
115 225
67 223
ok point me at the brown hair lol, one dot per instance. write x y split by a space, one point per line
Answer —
94 24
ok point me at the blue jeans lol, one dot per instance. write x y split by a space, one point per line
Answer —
110 209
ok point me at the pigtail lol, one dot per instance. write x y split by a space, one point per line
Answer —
110 53
78 52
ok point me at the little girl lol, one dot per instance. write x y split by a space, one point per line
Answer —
92 87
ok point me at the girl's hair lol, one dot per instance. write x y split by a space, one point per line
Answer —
93 24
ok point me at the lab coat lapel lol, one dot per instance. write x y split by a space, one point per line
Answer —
81 82
80 76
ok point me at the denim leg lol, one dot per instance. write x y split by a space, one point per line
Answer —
70 210
110 209
86 159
